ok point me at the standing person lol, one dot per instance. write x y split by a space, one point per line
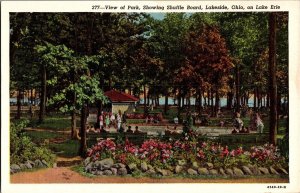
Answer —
259 123
101 119
119 120
113 120
124 117
107 121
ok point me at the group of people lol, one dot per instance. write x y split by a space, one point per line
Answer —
256 123
136 131
108 119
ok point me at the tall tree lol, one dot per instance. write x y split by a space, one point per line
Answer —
272 78
207 60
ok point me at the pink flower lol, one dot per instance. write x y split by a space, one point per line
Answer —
201 154
232 153
225 152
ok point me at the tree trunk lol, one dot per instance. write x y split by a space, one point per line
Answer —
31 96
148 97
229 100
145 98
203 94
217 104
212 102
255 99
208 97
18 115
279 109
189 101
179 103
83 145
237 83
272 78
73 126
166 101
73 119
268 100
43 93
199 101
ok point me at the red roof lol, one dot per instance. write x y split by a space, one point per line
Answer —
116 96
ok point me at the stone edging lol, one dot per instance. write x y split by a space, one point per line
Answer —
107 167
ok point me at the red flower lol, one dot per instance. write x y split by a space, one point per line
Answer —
225 152
201 154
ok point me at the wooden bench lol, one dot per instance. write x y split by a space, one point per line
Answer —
244 138
136 138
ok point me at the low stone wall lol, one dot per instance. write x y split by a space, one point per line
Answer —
107 167
28 165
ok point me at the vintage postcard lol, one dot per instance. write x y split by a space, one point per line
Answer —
144 96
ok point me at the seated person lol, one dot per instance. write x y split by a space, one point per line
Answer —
221 123
151 119
88 129
102 130
242 130
91 129
238 123
175 131
168 131
129 130
147 119
137 130
235 131
247 130
156 120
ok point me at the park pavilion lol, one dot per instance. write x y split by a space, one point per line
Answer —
120 101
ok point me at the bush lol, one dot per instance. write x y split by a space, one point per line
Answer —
166 154
22 148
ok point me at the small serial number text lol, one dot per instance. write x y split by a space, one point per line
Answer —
276 187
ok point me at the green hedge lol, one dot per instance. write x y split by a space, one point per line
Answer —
22 148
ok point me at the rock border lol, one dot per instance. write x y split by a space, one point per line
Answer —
107 167
28 165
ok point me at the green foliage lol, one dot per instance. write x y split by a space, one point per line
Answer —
22 148
283 145
229 162
130 158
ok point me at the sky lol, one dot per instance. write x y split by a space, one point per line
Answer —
158 16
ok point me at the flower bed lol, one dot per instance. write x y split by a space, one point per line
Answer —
184 156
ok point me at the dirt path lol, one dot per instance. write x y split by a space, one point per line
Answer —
66 175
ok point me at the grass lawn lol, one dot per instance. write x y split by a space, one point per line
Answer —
40 136
52 123
66 148
69 148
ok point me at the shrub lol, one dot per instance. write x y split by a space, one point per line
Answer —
22 148
166 154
